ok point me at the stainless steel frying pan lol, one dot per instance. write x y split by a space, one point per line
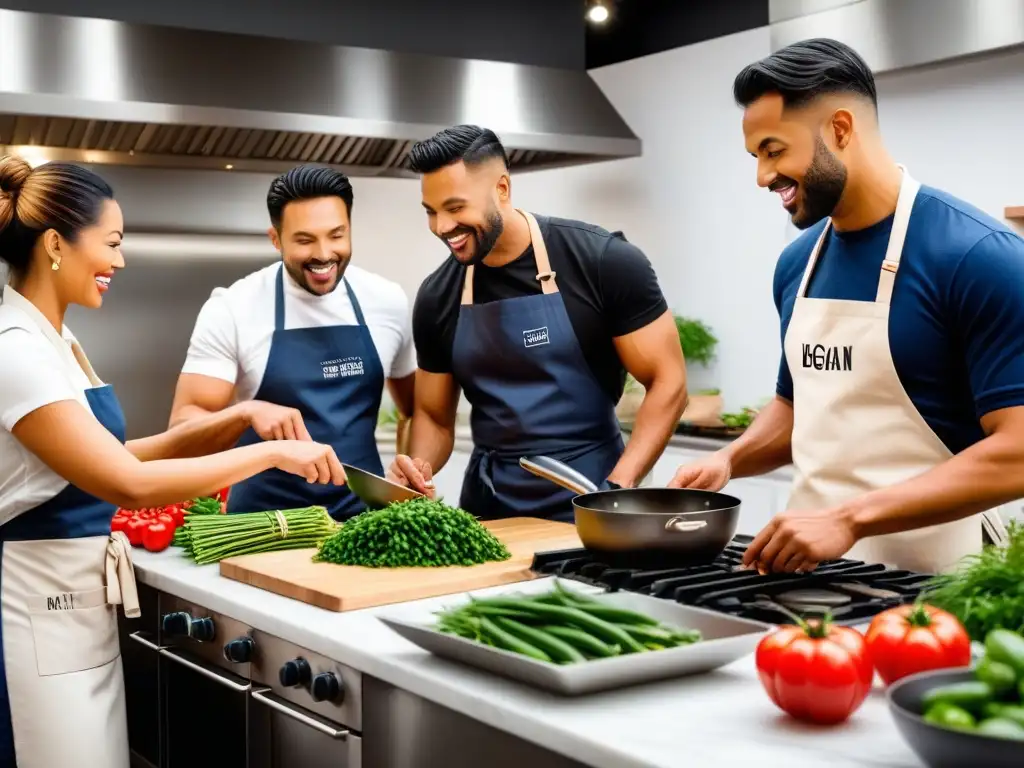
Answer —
680 522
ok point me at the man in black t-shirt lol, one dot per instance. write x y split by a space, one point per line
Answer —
537 320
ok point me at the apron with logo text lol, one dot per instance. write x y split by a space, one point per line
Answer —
334 377
62 573
855 429
532 393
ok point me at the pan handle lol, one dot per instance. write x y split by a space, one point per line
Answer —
558 473
678 525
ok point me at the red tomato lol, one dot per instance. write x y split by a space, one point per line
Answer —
134 529
916 638
167 519
157 537
119 522
177 513
816 671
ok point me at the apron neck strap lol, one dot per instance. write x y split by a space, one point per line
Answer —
70 353
279 302
894 250
545 275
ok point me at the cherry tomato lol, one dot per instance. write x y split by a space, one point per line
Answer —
916 638
119 522
816 671
134 530
175 511
156 537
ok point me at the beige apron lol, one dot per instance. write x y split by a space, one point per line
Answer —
855 429
58 628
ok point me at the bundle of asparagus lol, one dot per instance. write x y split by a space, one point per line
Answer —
211 538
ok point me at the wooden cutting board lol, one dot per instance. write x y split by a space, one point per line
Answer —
293 573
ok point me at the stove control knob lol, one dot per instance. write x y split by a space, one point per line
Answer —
325 687
202 630
176 624
239 650
294 673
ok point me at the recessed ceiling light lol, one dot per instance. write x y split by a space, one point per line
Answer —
597 13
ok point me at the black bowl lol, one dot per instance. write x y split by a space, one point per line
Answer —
940 747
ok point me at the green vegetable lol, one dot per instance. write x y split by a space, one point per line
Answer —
987 591
209 538
1000 677
615 615
950 716
1007 647
610 633
1013 712
696 339
972 695
666 638
1001 728
562 624
510 642
204 505
588 644
419 532
559 650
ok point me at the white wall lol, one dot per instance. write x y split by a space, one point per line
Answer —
690 202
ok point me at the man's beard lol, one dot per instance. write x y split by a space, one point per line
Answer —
484 238
822 187
302 277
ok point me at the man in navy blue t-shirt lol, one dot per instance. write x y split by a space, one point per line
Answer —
900 396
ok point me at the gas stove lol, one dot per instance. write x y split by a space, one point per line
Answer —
851 590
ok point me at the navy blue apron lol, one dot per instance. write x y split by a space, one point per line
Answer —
71 514
532 393
334 377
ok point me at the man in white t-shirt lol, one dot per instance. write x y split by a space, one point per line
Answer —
309 343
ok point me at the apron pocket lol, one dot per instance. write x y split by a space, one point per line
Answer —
73 631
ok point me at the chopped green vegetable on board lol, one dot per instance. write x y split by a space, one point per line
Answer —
987 591
418 532
561 627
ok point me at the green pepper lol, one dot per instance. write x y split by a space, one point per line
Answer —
949 716
971 695
1001 728
1000 677
1007 647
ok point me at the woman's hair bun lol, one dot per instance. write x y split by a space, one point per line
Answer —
13 173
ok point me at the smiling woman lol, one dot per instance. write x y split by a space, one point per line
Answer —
65 467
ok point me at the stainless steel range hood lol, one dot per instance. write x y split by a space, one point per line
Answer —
897 34
98 91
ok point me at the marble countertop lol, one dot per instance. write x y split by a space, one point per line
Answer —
722 718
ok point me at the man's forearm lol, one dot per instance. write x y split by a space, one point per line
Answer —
195 432
655 423
766 444
986 475
430 441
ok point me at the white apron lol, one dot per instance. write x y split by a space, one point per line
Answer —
61 575
855 429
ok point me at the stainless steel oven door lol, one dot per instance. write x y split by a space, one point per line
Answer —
204 693
282 735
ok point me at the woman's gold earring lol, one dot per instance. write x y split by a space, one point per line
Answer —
55 266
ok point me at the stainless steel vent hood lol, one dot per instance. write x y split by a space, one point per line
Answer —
897 34
99 91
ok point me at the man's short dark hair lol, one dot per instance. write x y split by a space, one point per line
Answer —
469 143
307 182
803 71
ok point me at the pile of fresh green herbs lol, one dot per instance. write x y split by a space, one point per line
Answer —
209 538
987 591
418 532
